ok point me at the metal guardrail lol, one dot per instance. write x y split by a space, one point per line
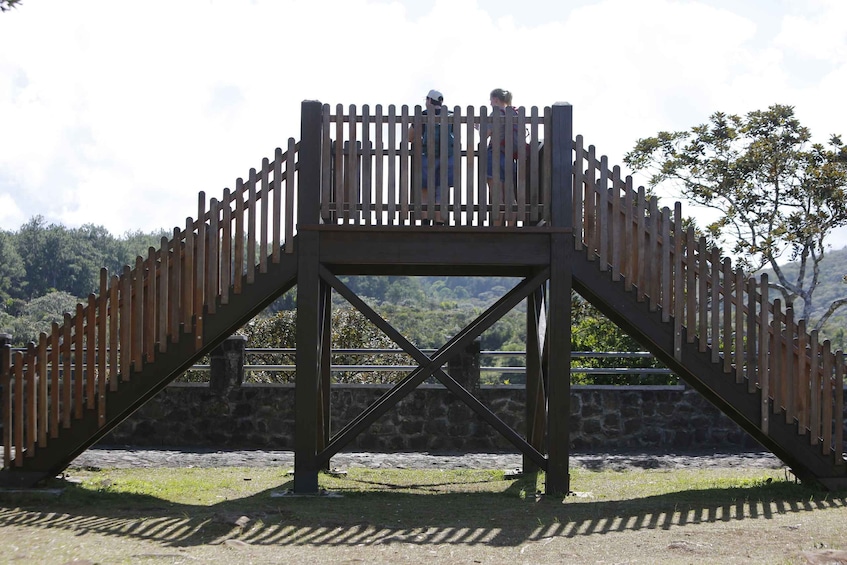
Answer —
483 368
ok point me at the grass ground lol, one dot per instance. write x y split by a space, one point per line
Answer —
244 515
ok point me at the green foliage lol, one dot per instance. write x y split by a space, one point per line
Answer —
778 195
594 332
12 270
6 5
36 316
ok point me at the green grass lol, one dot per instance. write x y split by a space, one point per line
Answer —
398 516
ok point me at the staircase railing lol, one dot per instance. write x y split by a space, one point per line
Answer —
727 314
373 174
136 315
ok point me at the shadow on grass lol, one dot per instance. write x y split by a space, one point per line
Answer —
392 514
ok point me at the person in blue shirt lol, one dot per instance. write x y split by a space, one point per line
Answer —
434 104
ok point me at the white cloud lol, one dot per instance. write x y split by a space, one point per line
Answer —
118 113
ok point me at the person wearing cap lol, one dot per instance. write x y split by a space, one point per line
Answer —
434 103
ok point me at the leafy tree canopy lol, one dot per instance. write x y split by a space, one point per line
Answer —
778 194
8 4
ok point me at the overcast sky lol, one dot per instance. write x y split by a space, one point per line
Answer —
118 112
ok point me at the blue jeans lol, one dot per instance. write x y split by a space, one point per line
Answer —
490 164
425 173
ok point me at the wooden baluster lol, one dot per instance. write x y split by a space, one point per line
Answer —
199 270
91 353
67 370
127 324
79 361
187 277
17 412
251 229
43 380
290 194
327 195
226 241
470 168
789 364
534 159
715 310
838 440
752 333
212 276
509 187
351 172
628 243
547 167
102 344
238 236
666 299
363 197
591 209
802 385
692 271
579 195
279 199
340 186
6 394
738 299
114 335
615 226
678 282
482 197
641 246
520 166
150 308
55 387
137 314
827 382
391 188
454 195
776 355
265 202
603 214
703 296
727 342
814 389
175 285
163 301
30 376
764 343
378 166
655 273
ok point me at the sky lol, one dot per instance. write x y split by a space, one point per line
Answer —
117 112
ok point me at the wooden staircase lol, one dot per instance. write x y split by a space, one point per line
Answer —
715 327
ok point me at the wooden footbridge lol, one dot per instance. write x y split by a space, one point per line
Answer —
346 199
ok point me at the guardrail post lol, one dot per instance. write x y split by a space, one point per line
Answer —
464 368
226 365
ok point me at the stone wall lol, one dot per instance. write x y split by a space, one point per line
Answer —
428 419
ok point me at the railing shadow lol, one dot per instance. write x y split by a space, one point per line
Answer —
514 516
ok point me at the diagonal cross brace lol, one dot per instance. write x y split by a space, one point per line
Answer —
432 366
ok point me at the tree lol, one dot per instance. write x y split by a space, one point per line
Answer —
6 5
12 271
778 194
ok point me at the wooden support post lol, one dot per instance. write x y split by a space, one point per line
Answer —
559 365
559 309
306 387
325 348
562 175
536 334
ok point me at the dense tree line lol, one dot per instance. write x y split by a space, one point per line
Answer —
46 268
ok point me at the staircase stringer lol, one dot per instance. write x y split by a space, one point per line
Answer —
51 459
